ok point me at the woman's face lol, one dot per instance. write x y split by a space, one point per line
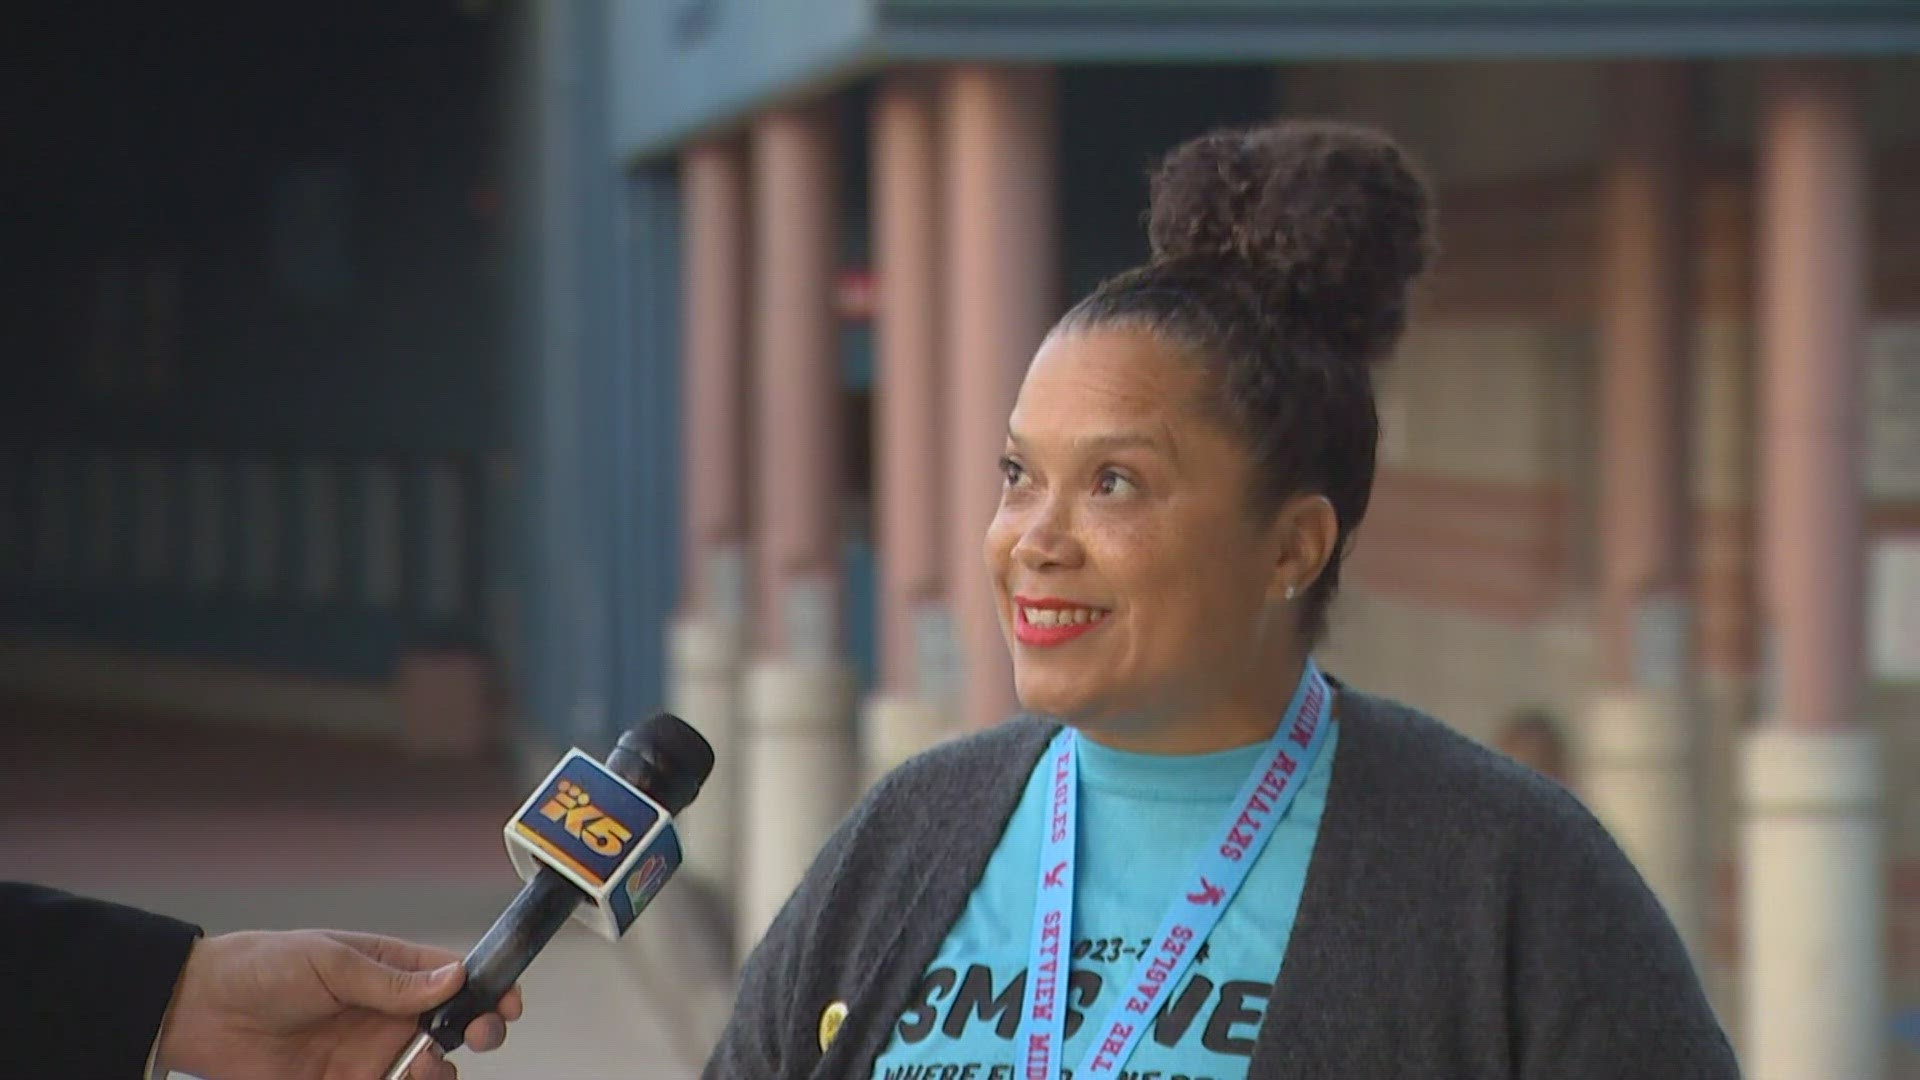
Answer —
1133 584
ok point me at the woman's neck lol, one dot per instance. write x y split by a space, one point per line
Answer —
1224 722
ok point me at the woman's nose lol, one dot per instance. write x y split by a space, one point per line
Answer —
1046 540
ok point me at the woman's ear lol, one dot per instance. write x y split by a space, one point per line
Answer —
1307 529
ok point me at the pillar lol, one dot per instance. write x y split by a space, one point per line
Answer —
1814 978
707 638
1000 152
798 761
907 713
715 385
1644 728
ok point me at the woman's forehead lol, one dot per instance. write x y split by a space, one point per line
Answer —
1112 371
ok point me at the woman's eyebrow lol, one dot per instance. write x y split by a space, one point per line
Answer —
1116 440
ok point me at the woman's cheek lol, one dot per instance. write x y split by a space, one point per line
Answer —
997 545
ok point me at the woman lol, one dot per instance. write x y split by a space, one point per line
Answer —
1209 860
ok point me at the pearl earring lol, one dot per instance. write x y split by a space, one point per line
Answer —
1289 592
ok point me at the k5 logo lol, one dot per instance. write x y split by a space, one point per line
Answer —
573 808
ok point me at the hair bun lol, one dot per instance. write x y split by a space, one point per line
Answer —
1333 218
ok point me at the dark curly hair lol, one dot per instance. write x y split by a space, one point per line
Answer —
1282 255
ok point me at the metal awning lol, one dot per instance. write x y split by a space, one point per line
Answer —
683 67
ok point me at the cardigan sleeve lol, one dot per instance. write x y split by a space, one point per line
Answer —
1602 986
86 983
750 1043
872 909
756 1042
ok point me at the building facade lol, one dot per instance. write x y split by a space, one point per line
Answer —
1649 459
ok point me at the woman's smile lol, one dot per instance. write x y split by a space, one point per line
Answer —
1047 621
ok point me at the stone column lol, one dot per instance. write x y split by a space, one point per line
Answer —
1813 889
1003 284
908 712
1645 726
798 761
707 638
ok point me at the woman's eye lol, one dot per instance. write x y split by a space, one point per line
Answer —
1011 471
1112 483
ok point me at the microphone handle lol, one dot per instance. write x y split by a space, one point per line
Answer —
497 962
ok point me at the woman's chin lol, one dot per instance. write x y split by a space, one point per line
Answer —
1068 704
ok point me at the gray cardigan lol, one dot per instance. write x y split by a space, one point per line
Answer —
1462 918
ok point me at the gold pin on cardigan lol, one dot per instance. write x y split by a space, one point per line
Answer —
830 1020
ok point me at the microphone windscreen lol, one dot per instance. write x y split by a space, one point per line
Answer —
674 759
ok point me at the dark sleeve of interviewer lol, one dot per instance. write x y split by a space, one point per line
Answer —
84 984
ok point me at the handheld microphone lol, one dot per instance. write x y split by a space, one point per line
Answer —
594 843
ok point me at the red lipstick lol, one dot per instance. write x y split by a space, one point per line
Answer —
1046 636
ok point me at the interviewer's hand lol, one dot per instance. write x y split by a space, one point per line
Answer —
313 1005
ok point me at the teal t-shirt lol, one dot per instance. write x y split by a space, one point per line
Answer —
1143 821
